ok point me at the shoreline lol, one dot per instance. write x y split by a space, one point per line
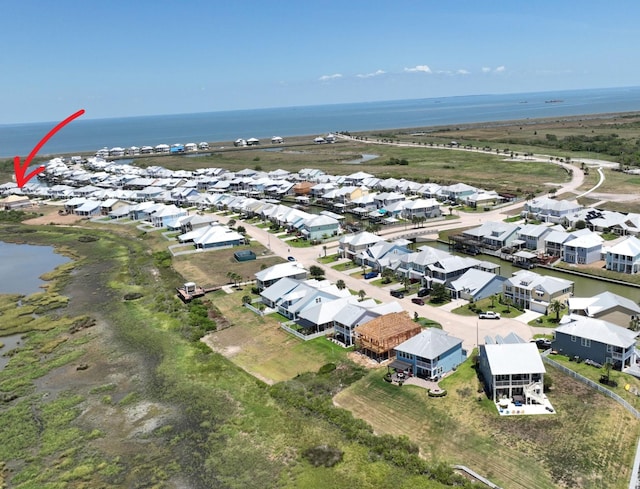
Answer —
226 145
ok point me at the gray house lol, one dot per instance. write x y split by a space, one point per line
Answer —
512 369
475 285
597 340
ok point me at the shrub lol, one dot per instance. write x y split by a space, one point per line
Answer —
326 368
87 239
323 455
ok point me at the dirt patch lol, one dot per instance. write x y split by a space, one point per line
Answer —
50 216
362 360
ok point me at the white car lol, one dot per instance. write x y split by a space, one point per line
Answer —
489 315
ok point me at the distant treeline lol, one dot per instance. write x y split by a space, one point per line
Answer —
626 151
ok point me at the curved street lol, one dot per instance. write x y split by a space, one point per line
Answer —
469 328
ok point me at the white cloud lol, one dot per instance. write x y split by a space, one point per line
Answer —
486 69
369 75
500 69
330 77
463 72
419 68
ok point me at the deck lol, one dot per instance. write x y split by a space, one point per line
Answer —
188 295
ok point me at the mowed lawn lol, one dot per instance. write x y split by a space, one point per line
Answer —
589 442
259 346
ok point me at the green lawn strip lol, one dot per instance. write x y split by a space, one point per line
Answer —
341 267
600 272
487 304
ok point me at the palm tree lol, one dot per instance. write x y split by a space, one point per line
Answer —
341 285
362 294
556 306
324 248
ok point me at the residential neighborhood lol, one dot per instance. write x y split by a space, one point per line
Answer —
202 206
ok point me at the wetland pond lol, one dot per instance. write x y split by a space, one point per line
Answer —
21 266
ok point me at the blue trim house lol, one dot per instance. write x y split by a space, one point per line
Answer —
432 353
597 340
320 227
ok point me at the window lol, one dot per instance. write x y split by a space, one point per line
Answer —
609 348
573 338
586 342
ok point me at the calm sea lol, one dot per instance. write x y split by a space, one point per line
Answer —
92 134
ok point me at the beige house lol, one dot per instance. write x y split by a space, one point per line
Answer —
606 306
14 202
536 292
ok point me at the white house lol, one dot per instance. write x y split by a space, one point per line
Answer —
625 256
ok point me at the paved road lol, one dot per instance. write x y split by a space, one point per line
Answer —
470 329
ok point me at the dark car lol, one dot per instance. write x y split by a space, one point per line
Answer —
290 258
398 294
417 300
543 343
423 292
369 275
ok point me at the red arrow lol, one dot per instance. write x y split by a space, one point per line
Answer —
20 169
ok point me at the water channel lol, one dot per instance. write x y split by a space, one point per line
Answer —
583 286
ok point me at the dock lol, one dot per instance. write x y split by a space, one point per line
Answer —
190 291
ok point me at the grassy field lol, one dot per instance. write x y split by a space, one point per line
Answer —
525 135
590 442
256 344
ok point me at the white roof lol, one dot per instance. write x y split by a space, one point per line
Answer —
514 358
280 270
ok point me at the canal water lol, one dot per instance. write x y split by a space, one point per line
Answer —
583 286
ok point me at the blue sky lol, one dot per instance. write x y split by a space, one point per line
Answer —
142 57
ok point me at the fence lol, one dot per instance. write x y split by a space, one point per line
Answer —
593 384
254 309
634 482
305 337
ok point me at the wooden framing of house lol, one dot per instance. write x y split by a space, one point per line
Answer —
378 337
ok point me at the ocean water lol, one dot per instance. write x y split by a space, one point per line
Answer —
86 134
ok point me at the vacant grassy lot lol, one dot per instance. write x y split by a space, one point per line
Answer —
210 268
259 346
590 442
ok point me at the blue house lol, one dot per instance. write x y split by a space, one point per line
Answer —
320 227
430 354
583 249
597 340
